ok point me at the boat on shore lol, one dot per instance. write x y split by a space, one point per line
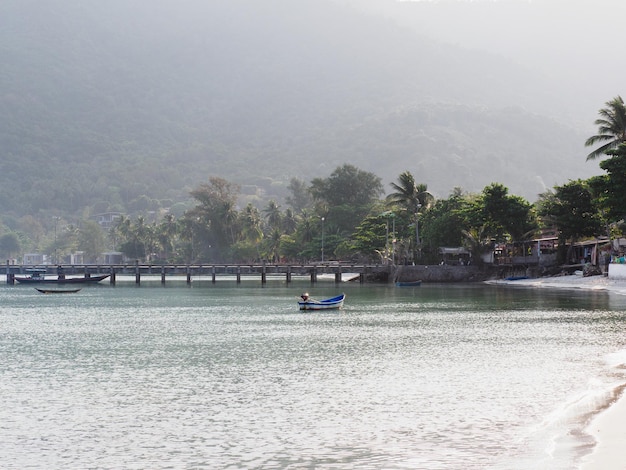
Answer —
307 303
408 283
38 276
515 278
58 291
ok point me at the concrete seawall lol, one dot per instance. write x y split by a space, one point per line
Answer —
442 273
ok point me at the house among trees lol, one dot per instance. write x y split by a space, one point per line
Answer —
540 251
32 259
77 257
106 220
589 251
112 257
455 256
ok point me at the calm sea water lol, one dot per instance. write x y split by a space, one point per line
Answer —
233 376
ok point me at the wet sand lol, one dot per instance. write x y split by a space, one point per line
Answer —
609 427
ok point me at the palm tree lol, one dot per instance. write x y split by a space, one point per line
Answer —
611 127
166 233
273 214
251 224
290 222
305 227
272 245
477 242
122 229
411 197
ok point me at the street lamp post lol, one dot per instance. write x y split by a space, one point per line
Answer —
388 214
193 227
417 230
322 239
393 240
56 221
387 243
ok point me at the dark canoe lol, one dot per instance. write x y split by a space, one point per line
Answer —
408 283
60 280
326 304
57 291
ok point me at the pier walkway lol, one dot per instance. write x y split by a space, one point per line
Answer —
212 271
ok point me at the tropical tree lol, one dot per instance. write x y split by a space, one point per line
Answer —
215 218
290 221
610 190
271 245
345 197
372 239
300 198
572 210
250 224
91 240
506 216
136 239
186 235
477 242
34 229
9 244
611 128
306 228
412 198
273 215
347 185
443 224
166 235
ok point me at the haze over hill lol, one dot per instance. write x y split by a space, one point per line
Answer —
569 44
103 102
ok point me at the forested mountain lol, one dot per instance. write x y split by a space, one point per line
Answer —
104 102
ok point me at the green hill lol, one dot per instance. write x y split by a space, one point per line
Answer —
104 102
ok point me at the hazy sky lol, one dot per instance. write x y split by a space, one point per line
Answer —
578 43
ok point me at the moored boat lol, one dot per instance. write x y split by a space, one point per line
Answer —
58 291
408 283
38 276
307 303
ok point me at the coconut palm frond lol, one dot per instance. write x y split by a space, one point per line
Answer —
611 128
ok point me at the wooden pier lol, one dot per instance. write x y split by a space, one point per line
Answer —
211 272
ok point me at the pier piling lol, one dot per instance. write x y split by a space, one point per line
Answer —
137 273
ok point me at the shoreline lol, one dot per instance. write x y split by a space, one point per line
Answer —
572 281
607 427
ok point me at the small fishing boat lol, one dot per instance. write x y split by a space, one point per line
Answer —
515 278
57 291
408 283
307 303
38 276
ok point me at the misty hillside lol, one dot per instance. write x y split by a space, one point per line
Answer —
103 102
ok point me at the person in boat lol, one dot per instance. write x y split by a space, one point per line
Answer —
305 297
60 272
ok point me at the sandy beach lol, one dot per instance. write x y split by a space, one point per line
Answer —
569 282
608 428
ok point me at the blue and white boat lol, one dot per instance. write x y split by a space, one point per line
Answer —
307 303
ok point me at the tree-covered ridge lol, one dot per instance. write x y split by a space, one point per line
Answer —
107 104
344 216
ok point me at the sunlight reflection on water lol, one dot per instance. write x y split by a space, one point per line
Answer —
238 378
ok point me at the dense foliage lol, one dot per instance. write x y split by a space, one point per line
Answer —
129 108
340 217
